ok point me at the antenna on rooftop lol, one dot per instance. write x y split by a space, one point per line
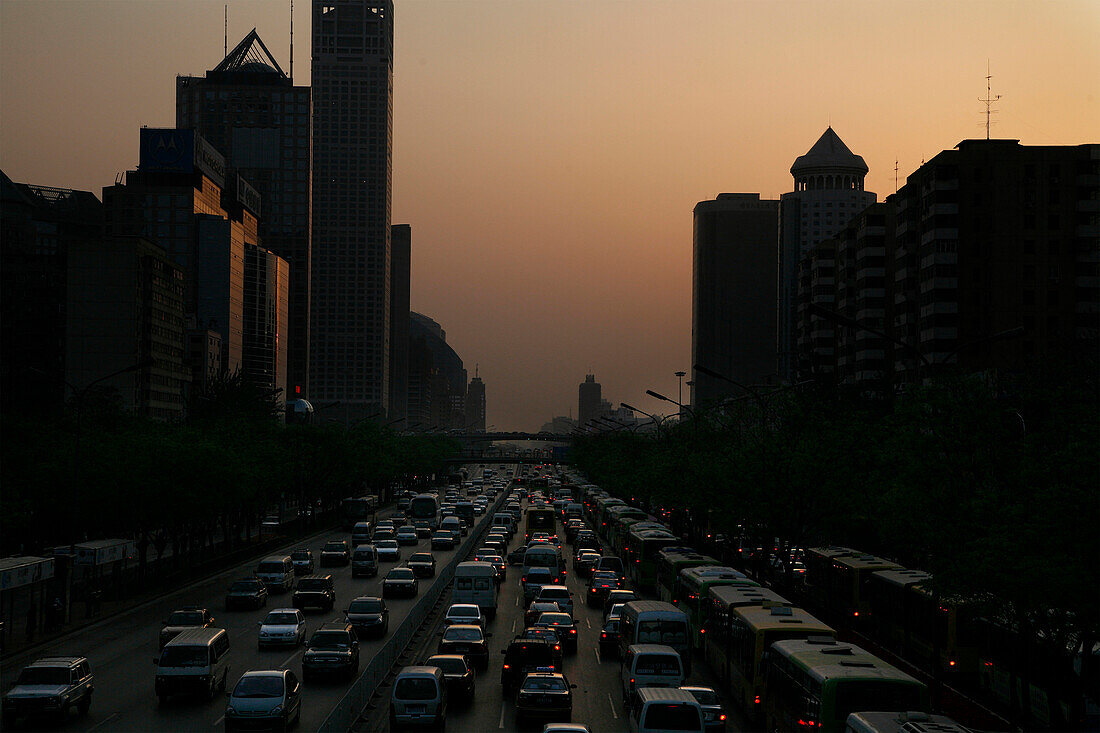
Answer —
225 36
989 98
291 41
895 175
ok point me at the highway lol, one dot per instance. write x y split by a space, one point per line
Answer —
121 649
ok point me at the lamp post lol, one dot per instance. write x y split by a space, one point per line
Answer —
656 420
680 376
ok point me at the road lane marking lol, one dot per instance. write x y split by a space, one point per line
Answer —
589 623
219 721
107 720
614 710
513 626
289 659
517 601
501 715
597 653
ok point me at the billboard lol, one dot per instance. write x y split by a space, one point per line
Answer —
180 151
20 571
248 196
104 552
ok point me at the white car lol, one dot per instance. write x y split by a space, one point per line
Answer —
464 613
283 627
388 550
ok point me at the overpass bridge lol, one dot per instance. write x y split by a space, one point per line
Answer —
511 447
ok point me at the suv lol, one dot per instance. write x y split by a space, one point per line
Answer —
521 657
50 686
335 552
302 560
188 617
333 649
315 590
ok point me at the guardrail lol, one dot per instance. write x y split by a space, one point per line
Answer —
344 715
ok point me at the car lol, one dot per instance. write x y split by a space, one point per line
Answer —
407 536
534 579
388 550
584 561
423 529
567 630
335 553
523 656
271 696
616 596
422 564
368 615
544 694
515 557
599 585
613 611
246 593
400 582
384 533
550 634
464 613
315 591
188 617
282 627
559 594
468 639
458 672
50 686
537 608
609 638
333 650
302 559
714 714
499 565
443 539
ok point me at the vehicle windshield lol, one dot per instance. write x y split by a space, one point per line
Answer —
421 557
657 664
300 555
363 555
329 640
244 586
386 544
184 656
612 625
275 618
544 684
365 607
540 559
400 574
460 634
449 665
672 716
311 584
415 688
463 611
44 676
556 619
662 632
270 567
705 696
259 686
185 618
554 594
613 564
334 547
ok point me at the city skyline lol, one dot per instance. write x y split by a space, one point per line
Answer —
557 187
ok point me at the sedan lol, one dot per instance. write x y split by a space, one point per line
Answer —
551 636
422 564
368 615
459 674
246 593
466 639
443 539
599 586
544 694
464 613
302 559
536 609
609 637
407 536
714 715
335 552
400 582
584 561
333 650
282 627
618 595
388 550
265 696
423 529
563 622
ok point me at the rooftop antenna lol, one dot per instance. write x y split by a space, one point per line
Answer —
895 175
225 36
291 41
989 98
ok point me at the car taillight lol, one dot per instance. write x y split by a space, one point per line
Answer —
506 666
632 680
722 716
603 634
573 631
757 700
557 647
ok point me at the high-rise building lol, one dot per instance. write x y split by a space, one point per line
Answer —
352 77
828 192
400 289
589 399
264 343
733 315
437 379
249 110
475 404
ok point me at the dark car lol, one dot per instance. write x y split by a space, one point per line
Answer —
423 529
443 539
459 674
317 591
544 695
515 557
523 656
422 564
400 582
550 634
336 553
188 617
534 579
536 609
333 650
584 561
618 595
368 615
609 638
246 593
567 629
714 714
599 586
50 687
466 639
302 560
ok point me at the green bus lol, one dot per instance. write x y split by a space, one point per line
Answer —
617 513
640 558
814 683
691 592
670 561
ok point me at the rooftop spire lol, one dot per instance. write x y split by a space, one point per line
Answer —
250 55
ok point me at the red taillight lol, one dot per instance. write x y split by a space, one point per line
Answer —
603 634
702 631
632 680
807 723
722 716
573 631
855 613
557 647
951 663
506 666
757 700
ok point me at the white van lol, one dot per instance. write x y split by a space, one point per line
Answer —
360 534
545 556
504 519
364 561
663 710
455 525
195 661
656 622
277 573
649 665
419 698
475 583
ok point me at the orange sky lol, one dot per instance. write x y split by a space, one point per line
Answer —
548 154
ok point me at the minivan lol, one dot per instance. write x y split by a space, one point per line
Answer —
364 561
360 534
661 710
455 525
277 573
649 665
195 661
419 698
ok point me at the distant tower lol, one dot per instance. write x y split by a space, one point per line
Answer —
828 192
475 404
590 394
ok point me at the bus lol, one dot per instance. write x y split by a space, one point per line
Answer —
691 592
670 561
655 622
539 520
815 683
616 513
624 546
425 507
642 547
355 509
616 536
749 632
838 585
602 505
720 603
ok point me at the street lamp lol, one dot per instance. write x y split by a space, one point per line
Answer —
680 376
656 420
660 396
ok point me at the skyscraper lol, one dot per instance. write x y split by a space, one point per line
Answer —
352 75
589 397
400 272
733 314
250 111
828 192
475 404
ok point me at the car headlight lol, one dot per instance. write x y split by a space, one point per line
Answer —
277 709
230 710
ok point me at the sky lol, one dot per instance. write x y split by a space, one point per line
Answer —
548 155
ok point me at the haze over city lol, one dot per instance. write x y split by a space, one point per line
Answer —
548 155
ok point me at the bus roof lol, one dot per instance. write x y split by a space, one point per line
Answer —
734 596
902 577
865 562
829 659
639 607
785 618
704 573
907 722
652 534
832 551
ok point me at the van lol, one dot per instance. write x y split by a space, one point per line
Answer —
360 534
656 622
505 519
662 710
195 661
419 698
455 525
277 573
545 556
364 561
612 564
475 583
649 665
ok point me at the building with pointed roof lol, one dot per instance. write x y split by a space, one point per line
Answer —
828 193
